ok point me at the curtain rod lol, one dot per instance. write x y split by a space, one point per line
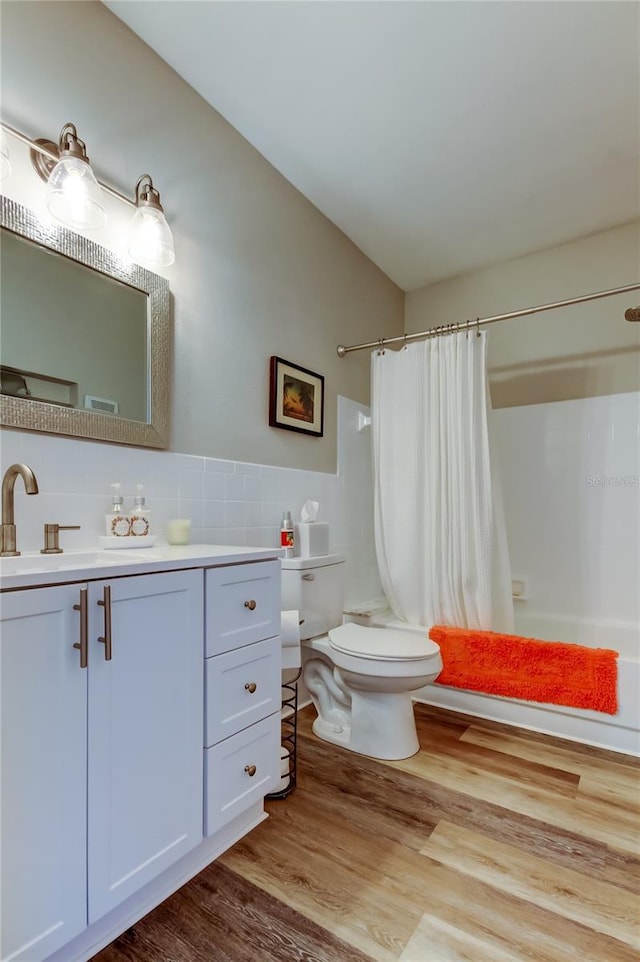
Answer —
481 321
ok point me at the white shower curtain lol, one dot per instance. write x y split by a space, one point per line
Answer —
439 526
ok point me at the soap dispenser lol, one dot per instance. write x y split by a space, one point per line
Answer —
116 521
140 516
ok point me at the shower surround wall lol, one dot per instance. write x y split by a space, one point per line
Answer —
228 502
570 473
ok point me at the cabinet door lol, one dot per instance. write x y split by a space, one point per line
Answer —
145 732
43 751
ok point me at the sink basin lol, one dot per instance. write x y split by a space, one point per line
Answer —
27 563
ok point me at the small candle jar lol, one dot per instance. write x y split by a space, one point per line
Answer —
179 531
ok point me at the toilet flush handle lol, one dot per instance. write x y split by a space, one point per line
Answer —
309 577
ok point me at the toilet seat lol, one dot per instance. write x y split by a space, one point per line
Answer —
391 645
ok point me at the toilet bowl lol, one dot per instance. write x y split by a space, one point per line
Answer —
360 680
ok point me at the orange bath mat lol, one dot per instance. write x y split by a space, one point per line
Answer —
544 671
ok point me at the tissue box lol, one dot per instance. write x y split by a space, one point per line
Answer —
312 539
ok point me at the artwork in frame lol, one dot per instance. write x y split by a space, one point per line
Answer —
296 398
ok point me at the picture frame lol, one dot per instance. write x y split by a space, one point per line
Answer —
296 398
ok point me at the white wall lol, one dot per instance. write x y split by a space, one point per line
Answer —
579 351
259 270
570 474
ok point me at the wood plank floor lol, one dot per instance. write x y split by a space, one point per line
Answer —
492 844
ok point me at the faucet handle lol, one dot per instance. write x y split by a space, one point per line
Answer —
51 537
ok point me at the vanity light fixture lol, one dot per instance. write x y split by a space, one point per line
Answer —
150 238
74 195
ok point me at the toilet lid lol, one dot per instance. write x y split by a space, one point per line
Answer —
390 644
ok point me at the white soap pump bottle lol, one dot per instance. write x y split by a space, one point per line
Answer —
117 523
140 516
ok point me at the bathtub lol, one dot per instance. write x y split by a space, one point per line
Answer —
620 733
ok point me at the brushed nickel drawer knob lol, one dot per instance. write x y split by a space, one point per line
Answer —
251 687
250 770
251 605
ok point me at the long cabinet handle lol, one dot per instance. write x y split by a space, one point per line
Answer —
83 644
106 638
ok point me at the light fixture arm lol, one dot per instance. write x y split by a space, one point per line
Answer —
71 145
146 194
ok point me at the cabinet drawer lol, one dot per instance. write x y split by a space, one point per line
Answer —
229 786
241 687
242 605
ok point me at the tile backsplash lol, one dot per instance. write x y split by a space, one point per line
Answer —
228 502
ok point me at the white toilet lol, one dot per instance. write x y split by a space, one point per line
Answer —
360 678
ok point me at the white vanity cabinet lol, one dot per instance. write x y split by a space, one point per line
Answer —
101 766
108 800
242 689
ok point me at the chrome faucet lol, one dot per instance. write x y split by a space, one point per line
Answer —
8 528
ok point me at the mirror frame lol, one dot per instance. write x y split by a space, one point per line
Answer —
53 419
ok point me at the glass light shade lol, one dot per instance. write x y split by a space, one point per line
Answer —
5 163
150 240
73 195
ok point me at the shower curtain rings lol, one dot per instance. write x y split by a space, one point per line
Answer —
477 327
468 327
404 346
381 345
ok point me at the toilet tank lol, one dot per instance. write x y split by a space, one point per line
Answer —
315 587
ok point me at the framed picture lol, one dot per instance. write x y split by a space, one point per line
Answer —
296 398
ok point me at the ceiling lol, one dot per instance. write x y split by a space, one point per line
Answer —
439 136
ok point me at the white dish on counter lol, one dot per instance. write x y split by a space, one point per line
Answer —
132 541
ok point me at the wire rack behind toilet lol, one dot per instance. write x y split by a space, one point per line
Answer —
288 738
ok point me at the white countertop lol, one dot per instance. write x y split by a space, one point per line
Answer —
33 569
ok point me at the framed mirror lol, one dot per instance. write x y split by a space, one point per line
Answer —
85 336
